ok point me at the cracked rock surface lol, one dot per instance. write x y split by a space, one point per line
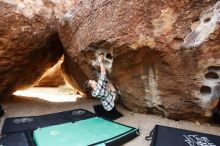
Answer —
155 51
29 42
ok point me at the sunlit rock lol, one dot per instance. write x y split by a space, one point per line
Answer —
52 77
29 42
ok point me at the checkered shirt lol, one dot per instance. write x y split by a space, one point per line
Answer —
106 95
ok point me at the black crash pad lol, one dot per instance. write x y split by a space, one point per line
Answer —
18 131
17 139
168 136
18 124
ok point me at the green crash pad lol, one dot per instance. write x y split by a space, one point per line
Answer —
86 132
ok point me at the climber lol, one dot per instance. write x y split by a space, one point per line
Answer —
103 89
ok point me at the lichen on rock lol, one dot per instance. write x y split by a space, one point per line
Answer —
209 20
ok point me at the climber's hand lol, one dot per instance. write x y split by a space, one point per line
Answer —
101 57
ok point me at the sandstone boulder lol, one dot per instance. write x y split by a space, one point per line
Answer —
159 54
52 77
29 42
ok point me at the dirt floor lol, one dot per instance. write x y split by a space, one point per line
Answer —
27 106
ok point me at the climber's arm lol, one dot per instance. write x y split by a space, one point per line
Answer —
102 67
103 77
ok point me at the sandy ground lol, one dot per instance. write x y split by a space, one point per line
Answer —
28 106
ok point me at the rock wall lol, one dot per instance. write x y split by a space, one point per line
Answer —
29 42
163 56
52 77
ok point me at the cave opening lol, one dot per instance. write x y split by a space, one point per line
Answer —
213 68
53 86
205 90
211 75
109 56
207 20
